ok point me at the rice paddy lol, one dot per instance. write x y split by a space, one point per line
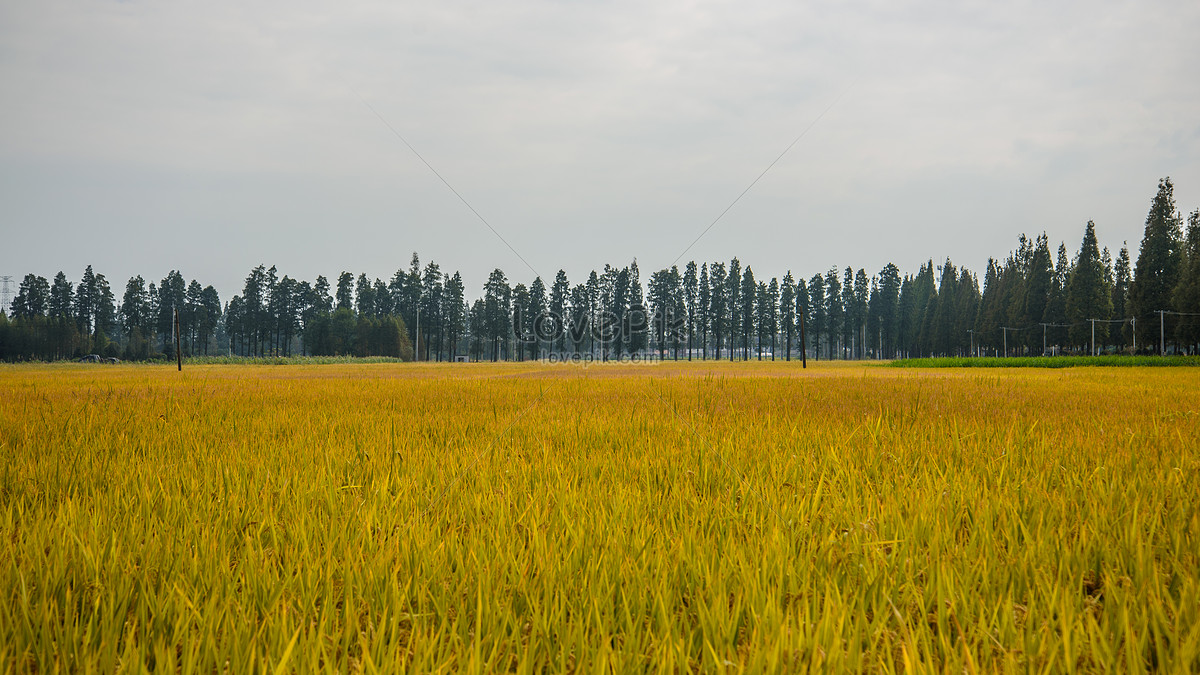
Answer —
703 517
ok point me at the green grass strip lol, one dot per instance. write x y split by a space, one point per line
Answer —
1047 362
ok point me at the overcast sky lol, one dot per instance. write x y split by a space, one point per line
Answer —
208 137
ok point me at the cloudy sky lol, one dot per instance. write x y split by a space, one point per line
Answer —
211 136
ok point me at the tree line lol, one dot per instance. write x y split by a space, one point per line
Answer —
1034 301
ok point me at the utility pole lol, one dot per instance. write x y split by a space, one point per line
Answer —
803 345
1162 333
1134 322
178 354
417 334
1093 336
1005 329
972 332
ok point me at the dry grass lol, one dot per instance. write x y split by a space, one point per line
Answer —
533 518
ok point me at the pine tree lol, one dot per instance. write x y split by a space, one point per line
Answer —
787 312
943 305
746 321
734 300
1087 295
497 299
385 305
887 309
704 309
135 312
456 312
1035 293
432 320
344 296
636 321
537 310
560 294
816 314
1056 308
967 299
691 299
210 302
803 311
834 312
1187 291
521 321
1157 271
771 312
1122 275
719 298
762 305
172 294
918 303
577 325
61 297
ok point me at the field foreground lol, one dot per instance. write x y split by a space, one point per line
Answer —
534 518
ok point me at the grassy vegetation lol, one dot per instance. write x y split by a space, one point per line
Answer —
682 518
286 360
1047 362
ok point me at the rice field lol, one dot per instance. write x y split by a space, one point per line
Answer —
718 518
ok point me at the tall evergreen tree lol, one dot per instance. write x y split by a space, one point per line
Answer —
733 297
432 315
364 296
762 307
803 311
1056 308
593 306
210 303
1157 271
456 312
172 296
86 297
497 302
719 314
522 323
1035 295
560 296
787 313
1187 290
578 326
835 313
816 314
345 291
538 311
1087 295
889 309
61 297
968 298
861 296
850 319
190 317
943 305
136 318
770 313
746 321
691 298
637 320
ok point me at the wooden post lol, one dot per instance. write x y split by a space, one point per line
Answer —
803 344
178 354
